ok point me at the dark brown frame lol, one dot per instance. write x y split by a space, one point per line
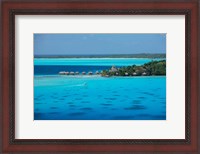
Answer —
187 145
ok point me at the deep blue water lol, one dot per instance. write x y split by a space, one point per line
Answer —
55 69
52 66
58 97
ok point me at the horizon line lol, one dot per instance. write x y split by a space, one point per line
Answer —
97 54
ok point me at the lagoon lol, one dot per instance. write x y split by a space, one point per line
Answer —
94 97
98 98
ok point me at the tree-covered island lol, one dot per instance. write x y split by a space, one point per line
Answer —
149 69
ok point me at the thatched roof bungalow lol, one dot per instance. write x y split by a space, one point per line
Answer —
144 73
90 73
113 69
71 73
62 73
134 74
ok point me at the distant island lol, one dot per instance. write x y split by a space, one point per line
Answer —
153 68
141 55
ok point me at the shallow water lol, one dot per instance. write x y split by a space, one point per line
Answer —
92 61
98 98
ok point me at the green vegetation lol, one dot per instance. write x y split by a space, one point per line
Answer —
148 69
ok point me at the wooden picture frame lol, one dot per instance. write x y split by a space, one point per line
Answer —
187 145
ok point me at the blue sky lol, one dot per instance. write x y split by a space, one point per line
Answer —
89 44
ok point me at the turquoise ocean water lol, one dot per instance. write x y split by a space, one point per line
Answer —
94 97
92 61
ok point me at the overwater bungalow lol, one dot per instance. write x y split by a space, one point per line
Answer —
77 73
83 73
66 73
144 73
90 73
62 73
97 72
126 74
134 74
71 73
113 69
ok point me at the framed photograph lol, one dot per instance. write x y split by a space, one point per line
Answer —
100 77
